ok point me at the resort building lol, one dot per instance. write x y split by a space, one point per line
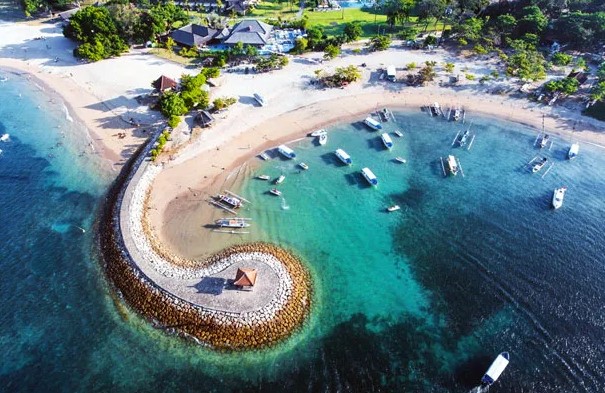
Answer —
250 32
198 35
164 83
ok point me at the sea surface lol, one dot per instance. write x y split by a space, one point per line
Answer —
417 300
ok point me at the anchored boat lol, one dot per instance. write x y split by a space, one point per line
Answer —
322 139
229 200
573 151
452 165
232 222
319 132
263 177
373 124
398 133
393 208
280 179
4 137
343 156
539 164
275 191
369 176
495 370
286 151
557 197
401 160
543 140
386 139
303 166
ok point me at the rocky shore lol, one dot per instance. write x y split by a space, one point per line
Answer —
262 327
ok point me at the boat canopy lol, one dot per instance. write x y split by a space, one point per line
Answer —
369 175
495 370
286 151
373 123
343 156
386 139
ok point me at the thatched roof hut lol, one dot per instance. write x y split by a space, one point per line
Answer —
245 277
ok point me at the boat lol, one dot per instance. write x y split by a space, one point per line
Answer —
386 139
373 124
4 137
452 165
463 138
232 223
263 177
319 132
543 141
573 151
260 99
369 176
393 208
286 151
275 191
343 156
264 156
557 197
229 200
280 179
303 166
398 133
322 139
457 114
495 370
538 165
401 160
435 109
385 114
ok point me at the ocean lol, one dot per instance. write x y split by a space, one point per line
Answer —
417 300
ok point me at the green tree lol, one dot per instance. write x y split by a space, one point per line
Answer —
331 51
566 86
597 92
352 31
470 30
431 9
533 20
561 59
301 44
449 67
172 104
166 16
380 42
526 63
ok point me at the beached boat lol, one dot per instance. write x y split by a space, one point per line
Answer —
543 140
557 197
275 191
401 160
343 156
495 370
539 164
260 99
229 200
398 133
372 123
263 177
384 114
386 140
435 109
452 165
369 176
457 114
322 139
303 166
232 223
286 151
393 208
573 151
264 156
4 137
280 179
319 132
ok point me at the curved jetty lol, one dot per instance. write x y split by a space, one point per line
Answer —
187 300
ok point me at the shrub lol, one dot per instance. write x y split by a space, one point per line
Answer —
449 67
410 66
470 77
561 59
174 121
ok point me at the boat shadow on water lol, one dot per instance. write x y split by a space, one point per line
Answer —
331 159
376 144
356 179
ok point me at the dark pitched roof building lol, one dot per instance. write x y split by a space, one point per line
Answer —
245 277
579 76
164 83
197 35
250 32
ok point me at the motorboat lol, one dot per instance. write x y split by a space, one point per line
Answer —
319 132
398 133
264 156
260 99
369 176
263 177
275 191
4 137
286 151
343 156
393 208
303 166
539 164
457 114
401 160
232 223
322 139
280 179
386 140
495 370
463 138
452 165
573 151
435 109
373 124
557 197
543 141
229 200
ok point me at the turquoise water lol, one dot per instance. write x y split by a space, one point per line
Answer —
417 300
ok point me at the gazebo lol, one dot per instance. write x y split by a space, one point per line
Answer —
164 83
245 277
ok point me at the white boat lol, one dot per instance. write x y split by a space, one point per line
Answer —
343 156
538 165
373 124
401 160
286 151
319 132
573 151
264 156
393 208
543 141
557 197
457 114
322 139
229 200
263 177
280 179
275 191
303 166
495 370
4 137
232 223
386 140
369 176
463 138
452 165
435 109
260 99
398 133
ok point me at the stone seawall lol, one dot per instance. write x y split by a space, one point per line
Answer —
219 329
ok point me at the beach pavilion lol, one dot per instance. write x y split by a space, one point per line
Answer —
245 277
164 83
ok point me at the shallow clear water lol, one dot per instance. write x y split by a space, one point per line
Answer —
417 300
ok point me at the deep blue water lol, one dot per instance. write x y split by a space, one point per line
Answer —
418 300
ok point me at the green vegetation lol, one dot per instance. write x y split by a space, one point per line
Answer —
449 67
223 102
561 59
162 139
352 31
380 42
273 62
566 86
342 76
331 51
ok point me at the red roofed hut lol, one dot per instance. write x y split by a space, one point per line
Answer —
245 277
164 83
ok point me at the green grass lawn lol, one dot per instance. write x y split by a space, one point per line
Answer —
333 21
